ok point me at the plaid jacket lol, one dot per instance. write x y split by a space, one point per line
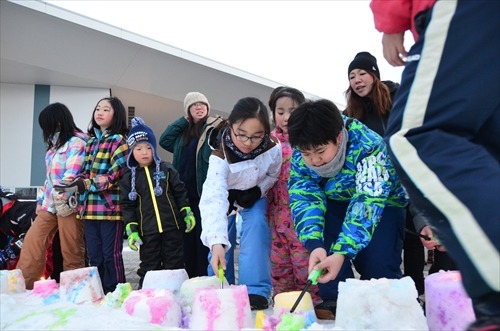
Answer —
62 164
105 164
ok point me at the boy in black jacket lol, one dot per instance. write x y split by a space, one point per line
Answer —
155 204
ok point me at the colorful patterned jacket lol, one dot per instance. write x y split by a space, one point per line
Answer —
62 164
367 181
105 164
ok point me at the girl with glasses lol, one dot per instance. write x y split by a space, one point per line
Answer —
244 165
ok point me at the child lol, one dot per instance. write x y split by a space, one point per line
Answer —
154 217
105 164
187 139
64 160
244 165
345 197
289 259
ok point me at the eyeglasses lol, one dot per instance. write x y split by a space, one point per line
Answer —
243 138
198 104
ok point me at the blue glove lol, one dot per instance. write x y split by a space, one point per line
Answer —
6 254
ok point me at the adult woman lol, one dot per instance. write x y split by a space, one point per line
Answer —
186 139
369 100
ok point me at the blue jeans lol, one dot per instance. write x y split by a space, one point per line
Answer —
254 260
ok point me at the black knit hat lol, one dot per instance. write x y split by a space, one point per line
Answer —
365 61
141 133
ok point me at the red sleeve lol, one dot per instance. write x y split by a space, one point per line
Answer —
392 16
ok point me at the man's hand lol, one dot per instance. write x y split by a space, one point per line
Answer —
189 218
134 241
218 257
77 185
429 244
393 47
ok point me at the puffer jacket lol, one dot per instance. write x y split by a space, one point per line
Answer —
367 181
154 214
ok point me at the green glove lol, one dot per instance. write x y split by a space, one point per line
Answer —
134 241
189 218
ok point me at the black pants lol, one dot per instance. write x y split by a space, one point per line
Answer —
195 253
413 255
160 251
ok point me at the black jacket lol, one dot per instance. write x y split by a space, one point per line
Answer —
142 212
372 120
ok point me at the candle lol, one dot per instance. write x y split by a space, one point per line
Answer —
45 288
447 306
283 302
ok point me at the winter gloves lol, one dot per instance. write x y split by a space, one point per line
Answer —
189 218
245 198
134 241
65 207
76 185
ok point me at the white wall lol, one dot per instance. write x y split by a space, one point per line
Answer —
16 131
16 124
80 101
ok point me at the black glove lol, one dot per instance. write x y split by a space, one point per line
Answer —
77 185
247 198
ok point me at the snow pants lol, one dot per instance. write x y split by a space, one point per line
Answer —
381 258
104 245
38 238
254 260
443 137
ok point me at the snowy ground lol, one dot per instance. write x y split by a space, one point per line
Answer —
25 311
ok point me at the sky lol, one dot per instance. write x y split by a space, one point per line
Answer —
303 44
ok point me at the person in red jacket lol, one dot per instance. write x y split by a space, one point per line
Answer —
442 134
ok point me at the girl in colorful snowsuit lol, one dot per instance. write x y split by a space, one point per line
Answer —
105 164
289 259
244 165
64 160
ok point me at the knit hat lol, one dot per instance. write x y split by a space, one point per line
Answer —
194 97
365 61
141 133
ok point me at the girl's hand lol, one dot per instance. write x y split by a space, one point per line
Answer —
38 208
218 257
331 267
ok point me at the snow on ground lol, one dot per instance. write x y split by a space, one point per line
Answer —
24 311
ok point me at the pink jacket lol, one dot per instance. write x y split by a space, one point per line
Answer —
396 16
278 209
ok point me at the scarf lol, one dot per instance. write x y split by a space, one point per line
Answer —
245 156
332 168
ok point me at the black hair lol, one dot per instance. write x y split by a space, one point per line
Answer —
248 108
194 129
314 123
53 118
119 123
284 91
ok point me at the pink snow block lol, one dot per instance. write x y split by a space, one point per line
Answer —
447 306
45 288
12 281
81 285
165 279
154 306
221 309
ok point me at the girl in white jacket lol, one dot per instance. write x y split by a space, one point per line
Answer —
244 165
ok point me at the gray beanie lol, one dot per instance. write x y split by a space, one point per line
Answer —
194 97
